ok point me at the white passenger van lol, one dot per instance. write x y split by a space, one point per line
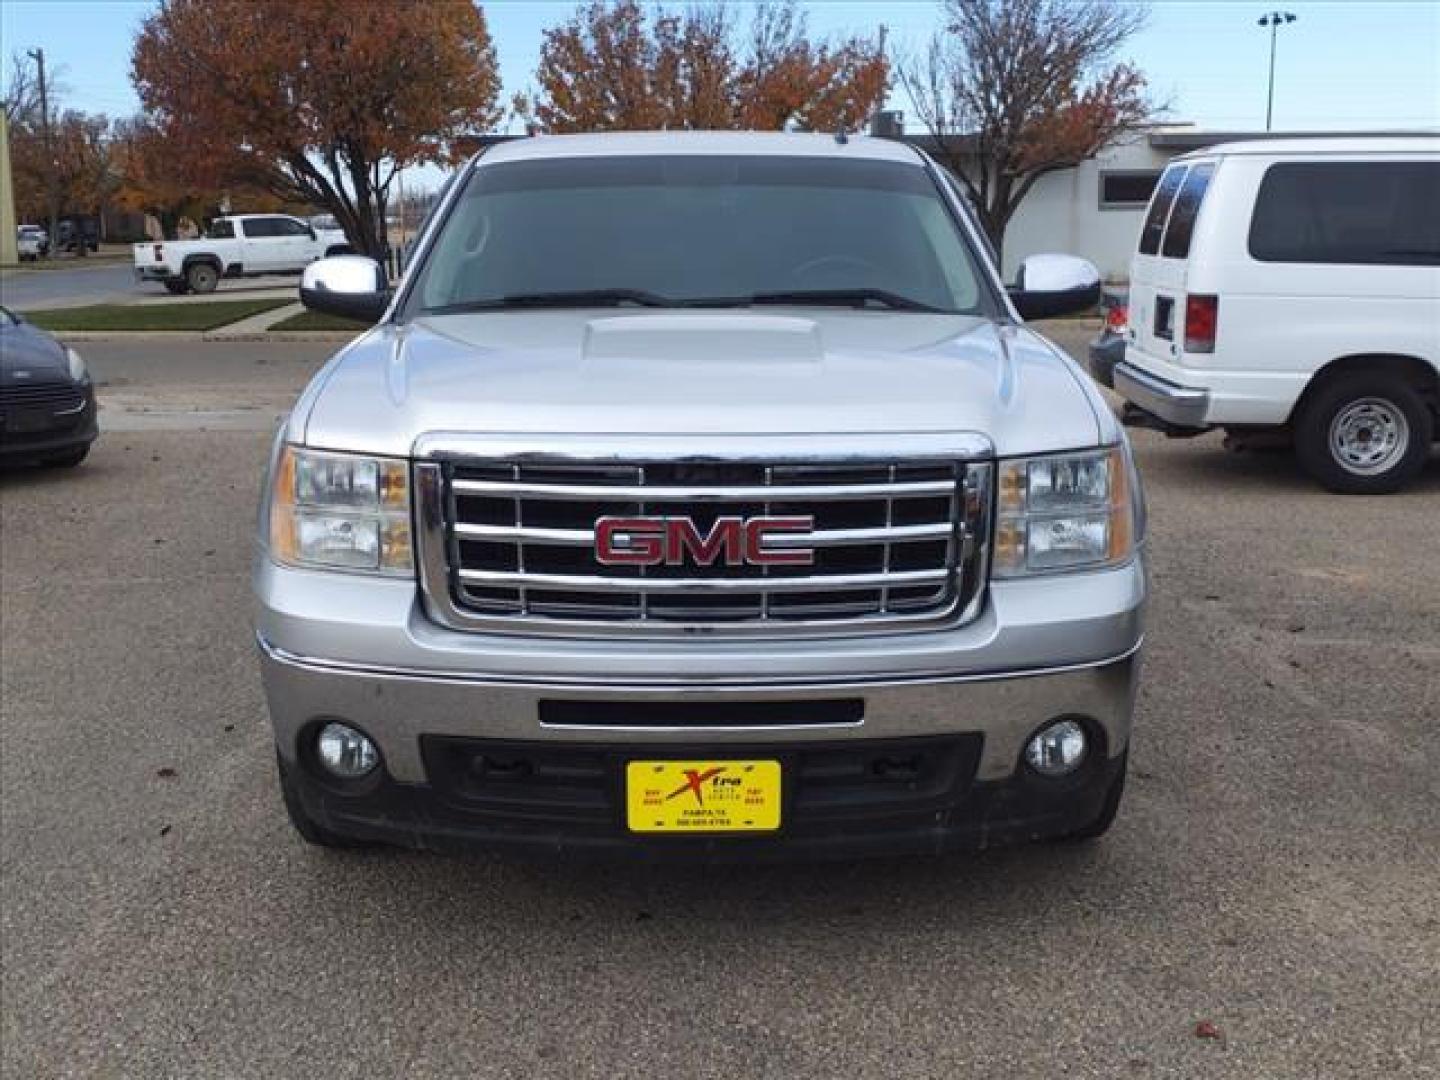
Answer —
1292 287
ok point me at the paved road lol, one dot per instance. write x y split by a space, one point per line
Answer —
107 283
1274 870
33 290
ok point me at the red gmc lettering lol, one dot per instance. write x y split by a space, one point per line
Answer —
682 537
629 541
650 541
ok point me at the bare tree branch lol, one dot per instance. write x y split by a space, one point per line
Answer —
1014 89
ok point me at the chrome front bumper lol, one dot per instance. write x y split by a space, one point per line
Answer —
396 709
362 650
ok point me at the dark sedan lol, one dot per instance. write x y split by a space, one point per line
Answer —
1108 349
47 401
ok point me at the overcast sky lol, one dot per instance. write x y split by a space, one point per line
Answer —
1341 65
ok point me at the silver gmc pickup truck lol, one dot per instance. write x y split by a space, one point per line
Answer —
701 494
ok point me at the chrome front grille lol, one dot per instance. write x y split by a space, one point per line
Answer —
509 542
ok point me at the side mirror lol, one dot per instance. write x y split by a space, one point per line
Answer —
351 286
1051 285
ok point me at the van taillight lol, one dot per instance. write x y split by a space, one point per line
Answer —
1117 318
1202 314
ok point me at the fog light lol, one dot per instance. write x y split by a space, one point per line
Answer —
345 752
1057 749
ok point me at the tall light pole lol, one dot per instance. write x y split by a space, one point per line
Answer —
1273 20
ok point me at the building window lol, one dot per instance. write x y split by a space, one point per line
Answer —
1128 189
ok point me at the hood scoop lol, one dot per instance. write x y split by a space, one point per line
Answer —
701 338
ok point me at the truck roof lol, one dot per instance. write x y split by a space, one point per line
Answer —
749 143
1347 144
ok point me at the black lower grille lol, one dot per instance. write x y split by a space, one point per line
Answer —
827 784
54 398
681 714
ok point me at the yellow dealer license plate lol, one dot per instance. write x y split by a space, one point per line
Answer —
702 796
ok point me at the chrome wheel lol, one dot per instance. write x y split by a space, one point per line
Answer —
1369 436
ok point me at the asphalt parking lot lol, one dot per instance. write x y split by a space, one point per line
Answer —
1265 906
76 283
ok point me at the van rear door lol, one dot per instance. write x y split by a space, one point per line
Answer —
1158 273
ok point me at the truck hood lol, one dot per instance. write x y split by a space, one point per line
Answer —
780 371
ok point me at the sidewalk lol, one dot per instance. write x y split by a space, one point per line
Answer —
255 325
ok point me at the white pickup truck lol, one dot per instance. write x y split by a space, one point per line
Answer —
245 245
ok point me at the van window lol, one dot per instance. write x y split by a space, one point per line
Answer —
1160 209
1187 208
1357 212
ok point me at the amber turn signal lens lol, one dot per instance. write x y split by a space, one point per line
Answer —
341 511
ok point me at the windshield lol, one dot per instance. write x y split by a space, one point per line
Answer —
702 230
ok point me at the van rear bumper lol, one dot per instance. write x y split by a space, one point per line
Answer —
1184 406
1208 394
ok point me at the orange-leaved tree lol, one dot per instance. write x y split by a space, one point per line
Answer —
147 181
316 101
78 163
1013 89
615 66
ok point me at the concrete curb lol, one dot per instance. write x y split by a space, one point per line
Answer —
286 335
81 336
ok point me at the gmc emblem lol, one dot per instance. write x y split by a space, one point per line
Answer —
674 541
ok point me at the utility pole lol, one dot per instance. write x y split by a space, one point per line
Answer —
877 117
52 194
1273 20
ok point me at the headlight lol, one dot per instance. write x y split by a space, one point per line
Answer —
1064 512
340 511
78 371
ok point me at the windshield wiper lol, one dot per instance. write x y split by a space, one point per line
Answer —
578 298
582 298
843 298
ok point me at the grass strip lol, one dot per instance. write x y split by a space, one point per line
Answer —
193 315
